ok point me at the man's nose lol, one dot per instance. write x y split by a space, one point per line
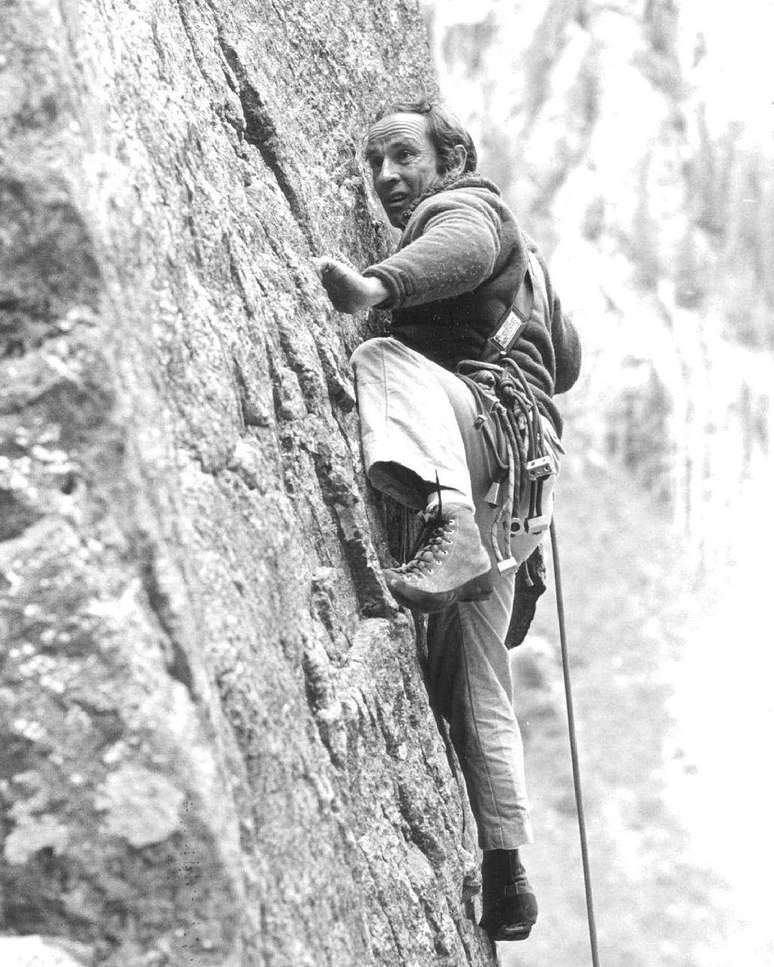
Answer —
387 172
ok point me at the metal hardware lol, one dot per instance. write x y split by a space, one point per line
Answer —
536 525
517 525
540 467
493 494
508 332
507 565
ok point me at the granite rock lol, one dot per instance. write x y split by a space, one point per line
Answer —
216 743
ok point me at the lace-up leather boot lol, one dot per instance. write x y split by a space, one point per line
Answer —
510 907
449 565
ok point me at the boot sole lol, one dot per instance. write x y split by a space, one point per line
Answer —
508 931
477 589
511 933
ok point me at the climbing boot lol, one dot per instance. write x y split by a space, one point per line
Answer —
510 907
450 563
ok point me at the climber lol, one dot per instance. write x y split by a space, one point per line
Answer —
436 441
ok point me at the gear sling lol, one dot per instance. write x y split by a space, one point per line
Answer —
510 420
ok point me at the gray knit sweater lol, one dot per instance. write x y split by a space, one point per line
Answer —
459 264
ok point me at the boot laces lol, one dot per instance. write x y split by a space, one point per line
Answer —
431 544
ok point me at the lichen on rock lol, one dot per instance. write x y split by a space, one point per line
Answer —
142 806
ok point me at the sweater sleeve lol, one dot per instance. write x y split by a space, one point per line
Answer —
450 247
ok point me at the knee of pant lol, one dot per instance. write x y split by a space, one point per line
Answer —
369 350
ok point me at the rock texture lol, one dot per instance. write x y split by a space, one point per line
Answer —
216 746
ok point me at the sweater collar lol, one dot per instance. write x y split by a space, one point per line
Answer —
466 180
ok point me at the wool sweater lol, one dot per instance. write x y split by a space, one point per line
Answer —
459 264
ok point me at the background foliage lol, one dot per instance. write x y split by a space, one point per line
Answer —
634 142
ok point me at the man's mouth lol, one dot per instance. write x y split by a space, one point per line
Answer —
396 199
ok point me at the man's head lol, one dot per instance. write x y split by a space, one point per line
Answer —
412 146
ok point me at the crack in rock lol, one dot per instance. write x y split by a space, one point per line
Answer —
261 132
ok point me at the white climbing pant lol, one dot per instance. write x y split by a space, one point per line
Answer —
418 417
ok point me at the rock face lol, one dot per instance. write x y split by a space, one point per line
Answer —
216 744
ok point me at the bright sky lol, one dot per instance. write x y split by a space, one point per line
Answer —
736 76
724 702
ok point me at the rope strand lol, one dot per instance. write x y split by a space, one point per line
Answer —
574 750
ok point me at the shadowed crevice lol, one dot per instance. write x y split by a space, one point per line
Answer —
261 132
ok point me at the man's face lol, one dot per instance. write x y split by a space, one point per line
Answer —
403 161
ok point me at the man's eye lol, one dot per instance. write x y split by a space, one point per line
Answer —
404 155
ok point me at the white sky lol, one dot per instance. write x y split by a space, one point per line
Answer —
736 78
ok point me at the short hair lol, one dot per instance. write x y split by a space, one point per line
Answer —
443 128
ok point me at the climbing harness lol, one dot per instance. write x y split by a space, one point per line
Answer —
574 749
509 418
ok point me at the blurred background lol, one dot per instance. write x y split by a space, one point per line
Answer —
634 142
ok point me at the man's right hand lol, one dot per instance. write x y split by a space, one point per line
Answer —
348 290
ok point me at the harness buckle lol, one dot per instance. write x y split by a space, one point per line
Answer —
537 525
540 467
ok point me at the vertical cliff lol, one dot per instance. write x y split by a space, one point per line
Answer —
216 746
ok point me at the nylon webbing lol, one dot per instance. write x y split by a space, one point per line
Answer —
574 749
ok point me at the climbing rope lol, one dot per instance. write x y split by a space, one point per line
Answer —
500 391
574 749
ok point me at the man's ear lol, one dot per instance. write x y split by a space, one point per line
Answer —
460 157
